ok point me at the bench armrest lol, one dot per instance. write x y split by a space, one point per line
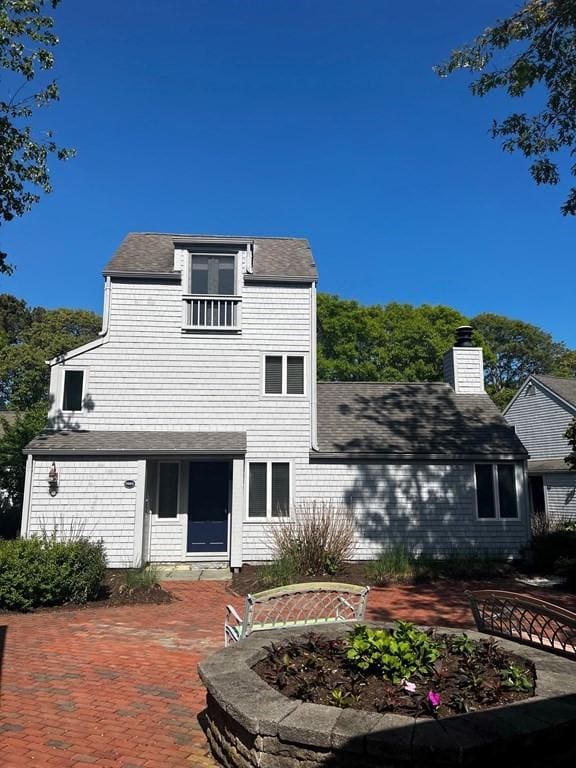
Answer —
232 626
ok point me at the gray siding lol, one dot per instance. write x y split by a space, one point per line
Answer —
428 508
91 501
560 491
541 421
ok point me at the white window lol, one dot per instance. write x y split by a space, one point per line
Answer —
496 491
213 275
211 290
168 485
73 390
269 489
284 374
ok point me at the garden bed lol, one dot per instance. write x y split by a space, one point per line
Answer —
426 675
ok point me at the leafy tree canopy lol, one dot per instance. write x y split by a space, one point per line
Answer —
571 437
535 48
26 44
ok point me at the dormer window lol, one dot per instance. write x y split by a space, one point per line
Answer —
211 280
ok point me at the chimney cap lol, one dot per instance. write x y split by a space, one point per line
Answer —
464 336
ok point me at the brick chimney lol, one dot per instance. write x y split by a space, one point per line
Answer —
464 364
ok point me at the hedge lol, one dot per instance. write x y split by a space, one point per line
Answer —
42 571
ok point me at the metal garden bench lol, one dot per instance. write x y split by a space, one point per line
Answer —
296 605
525 619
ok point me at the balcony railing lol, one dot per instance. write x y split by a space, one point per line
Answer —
212 313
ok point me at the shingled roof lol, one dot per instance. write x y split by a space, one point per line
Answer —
563 387
112 442
396 420
153 253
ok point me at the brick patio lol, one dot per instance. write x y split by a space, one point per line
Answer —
118 687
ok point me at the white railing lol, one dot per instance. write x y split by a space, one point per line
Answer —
212 313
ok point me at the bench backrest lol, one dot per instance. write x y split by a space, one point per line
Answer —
525 619
302 604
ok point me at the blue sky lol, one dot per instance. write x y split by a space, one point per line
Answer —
311 118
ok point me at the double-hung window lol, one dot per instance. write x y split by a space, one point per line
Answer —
496 491
269 489
284 374
73 390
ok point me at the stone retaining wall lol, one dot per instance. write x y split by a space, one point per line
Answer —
251 725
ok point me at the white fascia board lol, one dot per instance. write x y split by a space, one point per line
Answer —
78 351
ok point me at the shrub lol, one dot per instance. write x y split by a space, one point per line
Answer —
277 573
318 539
144 577
548 548
43 571
393 566
566 567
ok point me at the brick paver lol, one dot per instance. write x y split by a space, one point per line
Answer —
118 687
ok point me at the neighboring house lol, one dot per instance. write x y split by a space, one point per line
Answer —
540 413
195 423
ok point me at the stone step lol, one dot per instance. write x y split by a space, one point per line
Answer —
193 571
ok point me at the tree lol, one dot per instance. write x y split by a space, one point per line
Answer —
515 350
540 38
26 43
396 342
570 435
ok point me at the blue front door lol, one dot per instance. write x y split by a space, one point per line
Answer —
208 499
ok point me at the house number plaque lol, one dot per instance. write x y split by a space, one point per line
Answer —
129 484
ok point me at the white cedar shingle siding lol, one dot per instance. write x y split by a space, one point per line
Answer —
91 501
560 491
464 370
540 421
426 508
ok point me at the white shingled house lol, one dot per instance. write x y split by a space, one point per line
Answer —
541 412
194 422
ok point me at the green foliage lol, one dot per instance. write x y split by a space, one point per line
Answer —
393 566
401 653
549 548
43 571
515 350
515 678
461 645
142 578
278 573
26 45
396 342
535 48
570 435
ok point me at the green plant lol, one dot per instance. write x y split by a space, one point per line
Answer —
44 571
340 698
460 644
143 577
317 539
393 566
515 677
395 655
566 567
277 573
549 548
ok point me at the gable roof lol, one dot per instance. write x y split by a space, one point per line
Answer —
153 253
413 420
563 387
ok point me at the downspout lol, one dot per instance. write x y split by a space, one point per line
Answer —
313 373
106 308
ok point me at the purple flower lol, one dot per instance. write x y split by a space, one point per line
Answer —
434 699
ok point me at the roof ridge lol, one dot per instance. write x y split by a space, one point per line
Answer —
217 236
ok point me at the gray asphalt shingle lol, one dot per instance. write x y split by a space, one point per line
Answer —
564 387
149 252
410 419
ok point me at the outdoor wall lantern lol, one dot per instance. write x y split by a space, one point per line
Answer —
53 480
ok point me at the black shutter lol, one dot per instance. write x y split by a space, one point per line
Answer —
295 375
257 490
273 375
280 489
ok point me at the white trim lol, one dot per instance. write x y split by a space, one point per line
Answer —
268 518
236 516
284 394
312 371
27 496
106 307
139 513
72 369
518 475
178 491
78 351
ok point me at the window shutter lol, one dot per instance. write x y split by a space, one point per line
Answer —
73 384
295 375
280 489
257 490
273 375
485 491
507 490
168 476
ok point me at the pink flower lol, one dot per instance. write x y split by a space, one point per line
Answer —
434 699
408 686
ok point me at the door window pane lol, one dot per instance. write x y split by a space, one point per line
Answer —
257 490
213 275
507 490
73 383
485 491
295 375
273 375
168 476
280 490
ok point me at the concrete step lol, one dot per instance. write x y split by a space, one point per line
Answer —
193 571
